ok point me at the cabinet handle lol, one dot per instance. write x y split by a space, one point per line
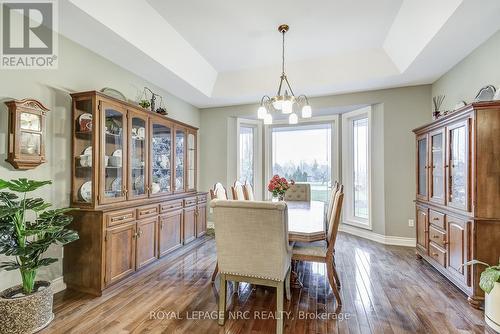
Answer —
434 254
161 225
435 218
435 236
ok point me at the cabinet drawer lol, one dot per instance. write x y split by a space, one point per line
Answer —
119 217
437 254
169 206
437 219
190 201
147 211
437 236
202 198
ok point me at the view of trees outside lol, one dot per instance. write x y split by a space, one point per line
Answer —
246 154
360 170
303 154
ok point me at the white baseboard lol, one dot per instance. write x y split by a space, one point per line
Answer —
383 239
58 285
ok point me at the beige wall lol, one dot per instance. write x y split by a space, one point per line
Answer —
480 68
395 113
79 70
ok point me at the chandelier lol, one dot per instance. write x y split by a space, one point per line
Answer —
286 101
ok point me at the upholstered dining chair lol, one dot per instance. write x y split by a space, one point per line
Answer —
238 191
248 190
324 251
218 191
298 192
252 246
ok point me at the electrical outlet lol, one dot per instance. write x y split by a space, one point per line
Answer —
411 222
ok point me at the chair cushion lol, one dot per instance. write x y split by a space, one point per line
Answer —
317 248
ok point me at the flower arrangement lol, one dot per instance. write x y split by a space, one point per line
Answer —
278 186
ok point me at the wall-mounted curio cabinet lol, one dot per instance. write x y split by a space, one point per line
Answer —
26 148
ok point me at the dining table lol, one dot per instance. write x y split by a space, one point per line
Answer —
306 223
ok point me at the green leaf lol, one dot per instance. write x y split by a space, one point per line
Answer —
35 204
488 279
23 185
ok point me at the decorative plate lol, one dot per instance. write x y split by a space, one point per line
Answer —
85 122
116 185
86 191
155 188
139 183
114 93
485 94
117 153
178 183
87 151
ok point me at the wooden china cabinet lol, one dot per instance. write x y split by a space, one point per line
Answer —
458 194
134 184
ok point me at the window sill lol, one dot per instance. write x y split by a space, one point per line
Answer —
355 223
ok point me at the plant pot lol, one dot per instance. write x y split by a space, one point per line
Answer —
26 313
492 308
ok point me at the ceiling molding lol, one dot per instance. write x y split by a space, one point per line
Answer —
370 45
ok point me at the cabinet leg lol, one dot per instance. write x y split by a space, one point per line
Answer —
419 257
475 302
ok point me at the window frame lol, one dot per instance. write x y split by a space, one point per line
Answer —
332 120
257 153
348 119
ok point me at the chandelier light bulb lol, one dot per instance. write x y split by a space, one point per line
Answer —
293 119
306 111
261 112
268 119
278 104
287 107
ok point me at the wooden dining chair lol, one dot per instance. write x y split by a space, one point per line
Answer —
331 201
298 192
218 191
238 192
248 190
324 251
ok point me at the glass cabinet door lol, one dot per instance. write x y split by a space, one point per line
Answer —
422 156
191 161
138 152
83 159
436 178
180 152
458 156
161 157
113 154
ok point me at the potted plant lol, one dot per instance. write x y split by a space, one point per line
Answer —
490 284
144 103
27 228
278 186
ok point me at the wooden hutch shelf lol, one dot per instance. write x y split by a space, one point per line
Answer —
134 183
458 194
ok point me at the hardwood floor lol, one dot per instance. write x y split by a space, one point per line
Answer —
385 289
